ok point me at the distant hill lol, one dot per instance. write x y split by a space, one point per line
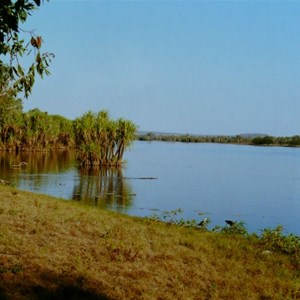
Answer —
253 135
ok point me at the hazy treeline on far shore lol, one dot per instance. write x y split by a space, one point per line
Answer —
243 139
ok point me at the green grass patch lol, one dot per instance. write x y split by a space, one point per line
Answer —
53 249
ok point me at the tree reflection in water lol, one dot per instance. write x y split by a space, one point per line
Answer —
14 166
106 188
55 173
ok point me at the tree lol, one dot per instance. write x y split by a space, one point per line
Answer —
295 140
10 111
263 140
101 141
13 47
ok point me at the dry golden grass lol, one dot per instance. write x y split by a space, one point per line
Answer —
53 249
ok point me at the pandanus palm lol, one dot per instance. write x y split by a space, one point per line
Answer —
100 140
126 131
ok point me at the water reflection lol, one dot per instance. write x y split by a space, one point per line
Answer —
104 188
35 162
56 173
258 185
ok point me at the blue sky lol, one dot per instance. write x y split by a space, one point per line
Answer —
202 67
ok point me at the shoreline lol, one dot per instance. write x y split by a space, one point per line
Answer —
51 247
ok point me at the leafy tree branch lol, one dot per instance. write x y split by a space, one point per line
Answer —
13 47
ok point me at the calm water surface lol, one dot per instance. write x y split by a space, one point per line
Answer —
258 185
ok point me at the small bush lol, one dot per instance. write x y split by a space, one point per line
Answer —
275 240
236 228
172 217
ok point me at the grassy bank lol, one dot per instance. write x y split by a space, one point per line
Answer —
53 249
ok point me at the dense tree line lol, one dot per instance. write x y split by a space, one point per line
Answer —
256 140
33 130
97 139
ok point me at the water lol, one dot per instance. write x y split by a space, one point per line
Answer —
258 185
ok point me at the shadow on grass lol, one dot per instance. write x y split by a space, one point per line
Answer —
65 292
51 287
2 295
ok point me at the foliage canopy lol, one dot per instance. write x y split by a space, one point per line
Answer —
101 141
15 43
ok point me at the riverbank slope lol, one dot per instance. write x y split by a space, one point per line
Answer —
54 249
